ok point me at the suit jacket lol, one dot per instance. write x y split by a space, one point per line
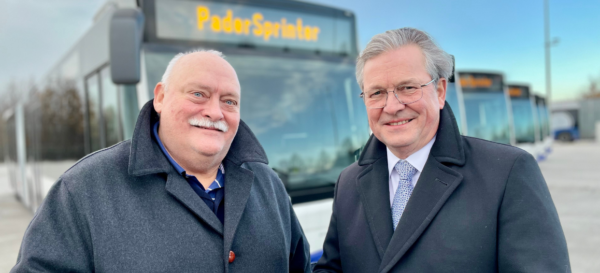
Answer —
126 209
478 206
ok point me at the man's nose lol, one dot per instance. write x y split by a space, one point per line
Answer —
212 109
392 104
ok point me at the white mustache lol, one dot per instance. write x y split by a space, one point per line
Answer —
207 123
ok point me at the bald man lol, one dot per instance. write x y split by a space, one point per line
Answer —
190 192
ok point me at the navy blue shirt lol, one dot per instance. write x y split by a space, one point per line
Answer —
214 195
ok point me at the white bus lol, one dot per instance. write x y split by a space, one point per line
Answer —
295 62
525 119
487 106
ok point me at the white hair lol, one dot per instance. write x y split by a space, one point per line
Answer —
437 62
167 74
207 123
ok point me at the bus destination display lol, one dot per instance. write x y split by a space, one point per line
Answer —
481 82
518 91
248 25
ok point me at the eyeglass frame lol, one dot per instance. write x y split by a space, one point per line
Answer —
362 95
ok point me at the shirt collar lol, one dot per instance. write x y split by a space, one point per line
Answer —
417 159
177 167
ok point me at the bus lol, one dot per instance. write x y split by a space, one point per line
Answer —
525 120
454 98
487 106
295 62
544 118
564 119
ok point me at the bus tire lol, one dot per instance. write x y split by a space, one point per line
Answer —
565 137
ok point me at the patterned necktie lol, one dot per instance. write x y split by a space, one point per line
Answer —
404 190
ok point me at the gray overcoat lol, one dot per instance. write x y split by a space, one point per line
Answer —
126 209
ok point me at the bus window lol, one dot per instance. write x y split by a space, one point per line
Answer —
523 108
487 116
94 112
305 112
486 106
110 106
129 109
524 120
452 100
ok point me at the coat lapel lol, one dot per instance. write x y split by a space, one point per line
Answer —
436 184
146 158
179 188
374 194
238 183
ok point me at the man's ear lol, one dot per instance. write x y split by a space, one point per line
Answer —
159 97
441 91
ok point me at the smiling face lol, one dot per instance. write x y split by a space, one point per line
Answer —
200 111
404 129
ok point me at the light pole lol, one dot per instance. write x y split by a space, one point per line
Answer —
547 45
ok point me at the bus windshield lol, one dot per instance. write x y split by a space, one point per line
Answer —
452 100
487 116
305 112
524 120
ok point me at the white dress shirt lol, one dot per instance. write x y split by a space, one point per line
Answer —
417 160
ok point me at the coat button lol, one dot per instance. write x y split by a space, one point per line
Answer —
231 256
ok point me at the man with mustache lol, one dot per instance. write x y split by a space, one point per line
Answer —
190 192
423 198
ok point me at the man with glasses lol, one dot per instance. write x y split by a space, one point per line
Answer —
423 198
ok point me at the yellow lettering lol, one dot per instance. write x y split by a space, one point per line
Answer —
258 29
203 14
268 30
315 33
515 92
227 24
284 28
276 30
237 25
299 27
291 31
472 82
215 23
247 24
259 26
308 33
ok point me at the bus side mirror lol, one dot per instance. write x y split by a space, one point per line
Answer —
126 32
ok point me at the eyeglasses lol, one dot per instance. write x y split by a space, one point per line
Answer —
406 94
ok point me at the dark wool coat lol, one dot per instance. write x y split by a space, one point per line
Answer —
126 209
478 206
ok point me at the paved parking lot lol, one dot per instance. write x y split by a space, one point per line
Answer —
573 175
572 172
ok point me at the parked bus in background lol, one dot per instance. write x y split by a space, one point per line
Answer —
544 118
525 120
487 106
564 119
454 98
295 62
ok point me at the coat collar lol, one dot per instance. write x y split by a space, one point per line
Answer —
147 158
436 183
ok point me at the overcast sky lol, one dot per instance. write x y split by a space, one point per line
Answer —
504 35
